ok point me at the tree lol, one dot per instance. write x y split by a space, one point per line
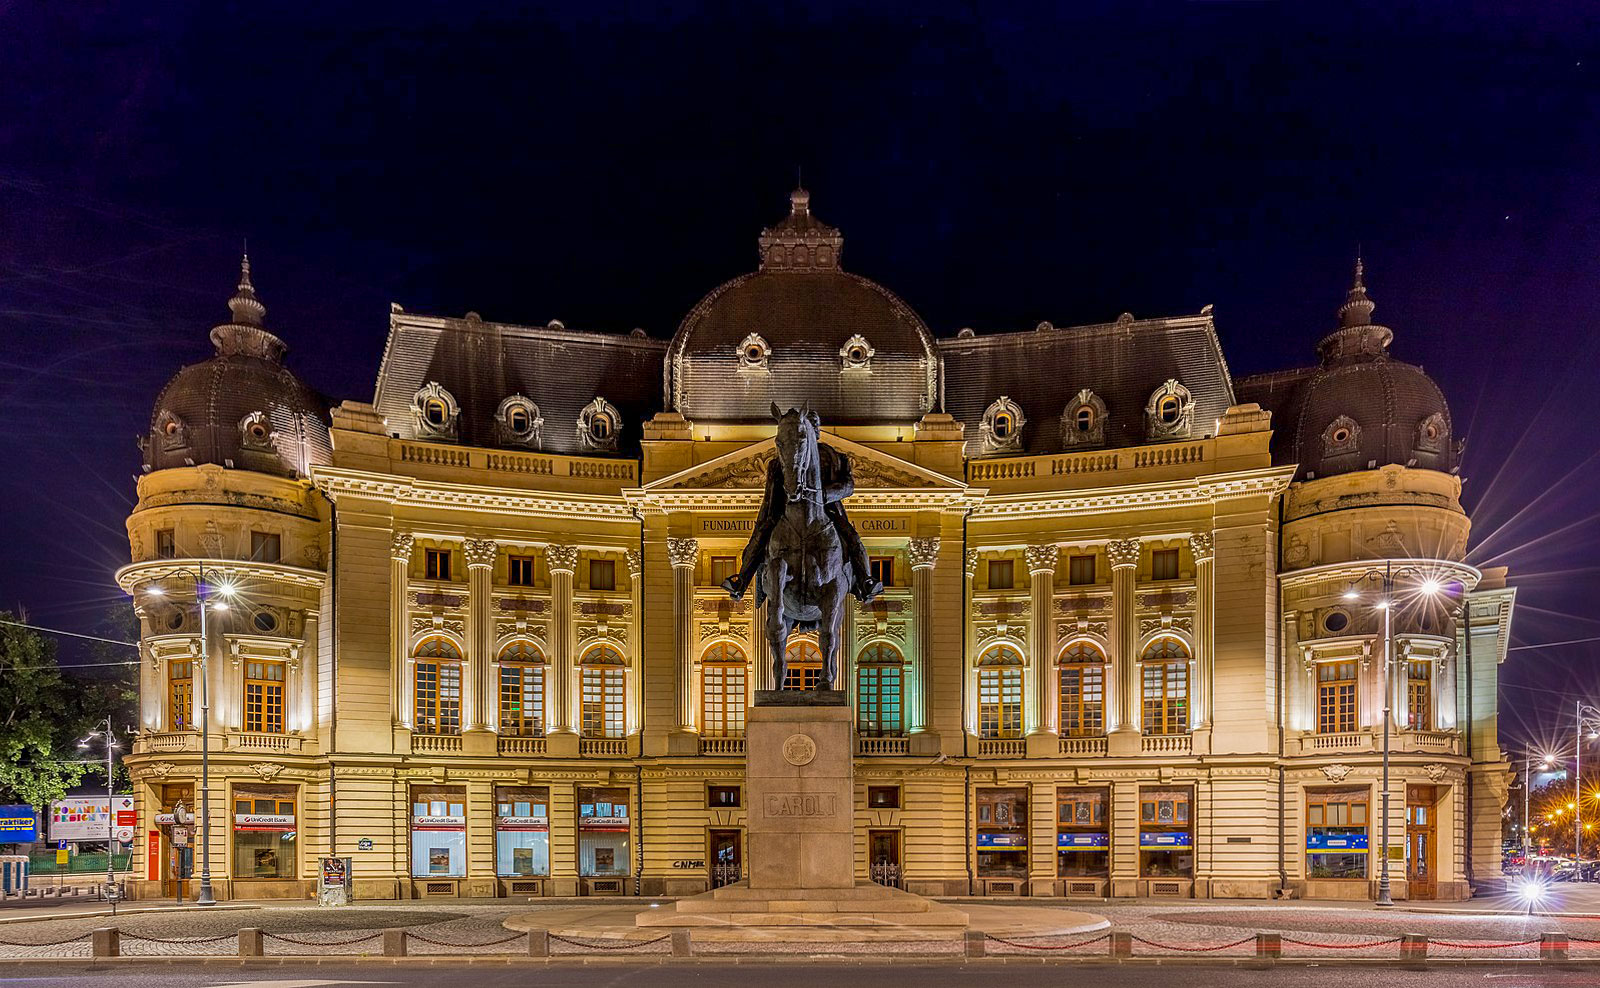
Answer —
39 713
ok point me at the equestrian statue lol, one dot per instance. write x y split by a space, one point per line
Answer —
803 553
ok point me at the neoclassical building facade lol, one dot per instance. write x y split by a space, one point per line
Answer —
1132 640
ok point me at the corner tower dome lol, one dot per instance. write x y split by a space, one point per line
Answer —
241 408
800 328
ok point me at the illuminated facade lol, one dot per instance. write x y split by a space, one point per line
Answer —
475 639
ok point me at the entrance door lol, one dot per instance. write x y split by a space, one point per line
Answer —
1421 849
725 862
883 857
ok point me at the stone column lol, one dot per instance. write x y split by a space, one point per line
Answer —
758 644
969 711
1205 602
924 555
562 561
307 715
478 712
683 554
635 561
399 632
1040 713
1124 556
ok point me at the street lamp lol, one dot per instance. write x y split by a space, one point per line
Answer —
105 733
204 897
1588 725
1384 579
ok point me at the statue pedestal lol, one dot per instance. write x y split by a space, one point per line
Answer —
801 797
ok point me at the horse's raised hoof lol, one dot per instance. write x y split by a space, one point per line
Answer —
868 590
734 590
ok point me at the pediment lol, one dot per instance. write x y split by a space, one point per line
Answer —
746 469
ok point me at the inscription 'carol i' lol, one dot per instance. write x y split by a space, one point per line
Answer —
800 804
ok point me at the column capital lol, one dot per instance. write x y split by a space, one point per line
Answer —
1123 553
683 553
635 562
1041 558
1202 546
480 553
923 552
561 558
400 548
971 563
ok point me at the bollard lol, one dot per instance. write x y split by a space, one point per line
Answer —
680 943
250 942
394 943
1122 945
1414 948
975 943
105 942
1269 946
538 943
1552 946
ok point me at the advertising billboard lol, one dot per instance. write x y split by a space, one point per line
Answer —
17 825
85 818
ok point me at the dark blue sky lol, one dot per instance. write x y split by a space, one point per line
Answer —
995 166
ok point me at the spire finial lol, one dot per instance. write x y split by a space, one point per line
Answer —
244 270
246 308
1357 307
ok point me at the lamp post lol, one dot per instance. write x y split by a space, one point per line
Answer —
1588 725
205 896
110 739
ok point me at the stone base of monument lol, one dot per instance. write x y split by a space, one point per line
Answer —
866 905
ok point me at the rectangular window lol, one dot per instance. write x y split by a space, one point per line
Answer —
882 569
166 544
722 796
1164 564
439 831
519 571
1166 697
723 568
180 695
438 698
263 697
1336 833
1000 702
1166 833
878 700
1336 697
522 831
1002 832
602 832
264 831
602 574
1080 571
1419 695
1083 694
603 701
437 564
1001 574
266 547
521 700
883 797
1083 838
722 695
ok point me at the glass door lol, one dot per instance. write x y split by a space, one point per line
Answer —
1421 849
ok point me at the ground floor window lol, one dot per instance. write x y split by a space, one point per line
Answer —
522 831
439 831
1336 833
1166 832
1083 839
264 831
602 832
1002 832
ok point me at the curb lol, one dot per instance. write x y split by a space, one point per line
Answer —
123 911
864 960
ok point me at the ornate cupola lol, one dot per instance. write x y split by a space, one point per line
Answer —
1358 337
800 242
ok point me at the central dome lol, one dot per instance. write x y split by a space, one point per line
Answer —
801 329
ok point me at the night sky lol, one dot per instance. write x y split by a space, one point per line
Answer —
608 166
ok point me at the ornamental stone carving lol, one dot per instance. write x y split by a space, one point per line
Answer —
924 553
1123 552
561 558
267 770
1201 545
683 552
1337 772
1436 771
160 769
479 552
400 548
970 564
1041 558
856 354
799 749
635 563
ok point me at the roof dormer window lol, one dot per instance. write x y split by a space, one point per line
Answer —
254 432
1083 421
1002 427
1170 412
1342 435
518 421
598 425
435 411
856 354
754 354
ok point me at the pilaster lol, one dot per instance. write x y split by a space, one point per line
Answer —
1205 601
478 713
562 561
1124 736
1039 712
683 554
399 638
924 555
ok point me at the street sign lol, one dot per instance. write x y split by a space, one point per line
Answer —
180 836
364 844
61 845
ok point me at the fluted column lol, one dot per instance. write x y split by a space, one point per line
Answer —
1204 606
969 713
306 717
762 672
1124 556
563 562
635 561
683 554
1040 715
399 633
478 712
924 555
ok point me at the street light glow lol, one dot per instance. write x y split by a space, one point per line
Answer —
1431 586
1352 594
155 590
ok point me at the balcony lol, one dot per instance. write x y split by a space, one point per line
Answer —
1166 744
167 741
1348 741
1437 742
603 747
722 746
436 744
278 744
1002 748
1082 747
521 746
882 746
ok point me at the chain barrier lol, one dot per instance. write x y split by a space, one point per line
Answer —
321 943
447 943
1581 940
1463 945
1345 946
47 943
609 945
180 940
1195 948
1047 946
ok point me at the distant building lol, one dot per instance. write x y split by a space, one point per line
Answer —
478 643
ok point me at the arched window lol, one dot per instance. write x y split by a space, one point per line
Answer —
521 690
1081 683
436 689
880 670
604 698
1000 693
1164 675
803 665
722 684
